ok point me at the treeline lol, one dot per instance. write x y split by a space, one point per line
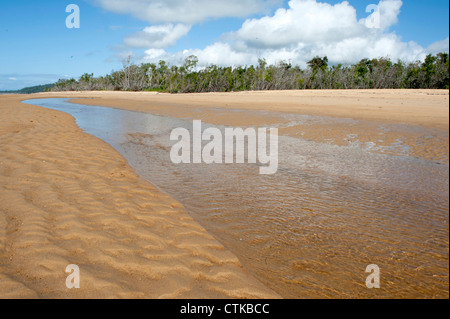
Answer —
382 73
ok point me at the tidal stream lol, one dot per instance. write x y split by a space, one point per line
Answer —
310 230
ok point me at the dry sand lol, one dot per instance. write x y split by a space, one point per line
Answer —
68 198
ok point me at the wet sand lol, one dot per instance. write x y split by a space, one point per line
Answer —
394 119
412 124
67 197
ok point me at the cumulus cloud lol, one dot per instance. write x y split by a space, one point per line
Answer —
384 15
219 53
159 36
222 54
309 28
438 47
185 11
306 21
310 21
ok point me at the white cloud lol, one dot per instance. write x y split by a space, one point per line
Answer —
438 47
313 22
305 29
306 21
222 54
387 11
218 53
185 11
12 79
159 36
354 49
154 54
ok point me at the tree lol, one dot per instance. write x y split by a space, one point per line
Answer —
318 63
190 63
443 71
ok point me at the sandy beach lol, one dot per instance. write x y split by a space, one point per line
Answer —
67 197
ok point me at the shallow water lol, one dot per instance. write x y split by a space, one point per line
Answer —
311 230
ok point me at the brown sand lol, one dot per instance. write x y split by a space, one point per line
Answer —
416 107
67 197
417 119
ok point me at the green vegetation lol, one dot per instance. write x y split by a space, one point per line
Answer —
32 89
381 73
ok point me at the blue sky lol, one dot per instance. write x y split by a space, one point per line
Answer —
38 48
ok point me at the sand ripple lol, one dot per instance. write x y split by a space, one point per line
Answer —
68 198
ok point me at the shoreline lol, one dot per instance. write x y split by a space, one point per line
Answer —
428 108
394 120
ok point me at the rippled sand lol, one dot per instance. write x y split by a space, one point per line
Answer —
66 197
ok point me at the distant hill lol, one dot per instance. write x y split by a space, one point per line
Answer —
32 89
